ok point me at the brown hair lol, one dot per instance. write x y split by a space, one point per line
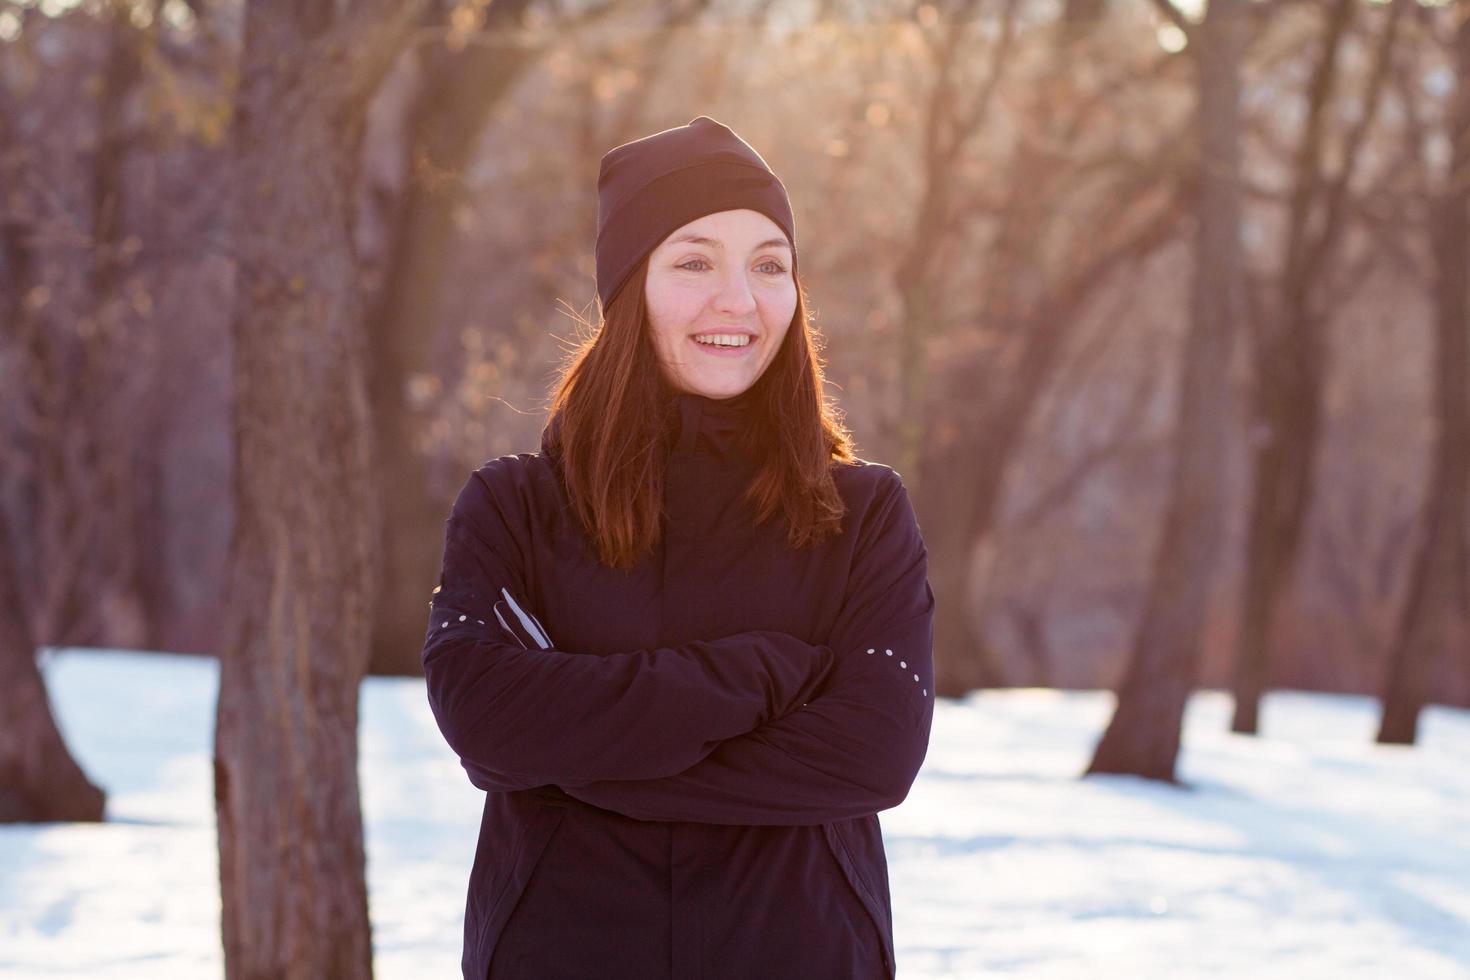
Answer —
611 427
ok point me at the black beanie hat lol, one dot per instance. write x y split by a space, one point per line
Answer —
652 186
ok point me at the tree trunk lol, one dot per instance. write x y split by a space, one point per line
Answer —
1288 420
460 89
125 464
302 575
39 780
1287 401
956 465
1435 612
963 474
1143 736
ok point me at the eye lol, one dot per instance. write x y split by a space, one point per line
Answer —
686 265
779 268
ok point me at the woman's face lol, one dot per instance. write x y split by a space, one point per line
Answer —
724 275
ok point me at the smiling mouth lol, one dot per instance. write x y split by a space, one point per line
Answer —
750 342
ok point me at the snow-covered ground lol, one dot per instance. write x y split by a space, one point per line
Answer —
1309 852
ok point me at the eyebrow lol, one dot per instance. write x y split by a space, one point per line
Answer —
701 240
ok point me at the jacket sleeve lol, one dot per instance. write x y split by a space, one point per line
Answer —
531 716
857 746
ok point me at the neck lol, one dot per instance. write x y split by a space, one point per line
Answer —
719 423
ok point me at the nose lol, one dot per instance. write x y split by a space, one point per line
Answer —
734 298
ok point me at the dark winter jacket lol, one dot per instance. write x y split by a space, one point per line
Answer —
685 785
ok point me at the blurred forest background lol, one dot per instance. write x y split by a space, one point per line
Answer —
1002 207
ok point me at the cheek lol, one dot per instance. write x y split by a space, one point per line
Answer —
672 310
777 311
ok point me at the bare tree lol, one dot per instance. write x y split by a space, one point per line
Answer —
303 569
60 355
1290 356
130 483
1143 736
460 84
948 128
979 401
1434 616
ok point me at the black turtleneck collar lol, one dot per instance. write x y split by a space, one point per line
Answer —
700 424
713 425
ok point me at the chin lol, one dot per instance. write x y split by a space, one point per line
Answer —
720 391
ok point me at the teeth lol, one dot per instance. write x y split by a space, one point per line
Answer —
724 340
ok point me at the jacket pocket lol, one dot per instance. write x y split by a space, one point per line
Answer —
877 911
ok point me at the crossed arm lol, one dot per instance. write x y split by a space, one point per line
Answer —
755 728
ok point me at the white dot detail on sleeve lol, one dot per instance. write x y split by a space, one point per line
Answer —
445 623
462 618
889 652
925 692
870 649
916 678
903 663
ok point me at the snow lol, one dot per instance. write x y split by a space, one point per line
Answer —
1308 852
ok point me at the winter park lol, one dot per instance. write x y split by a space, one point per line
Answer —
666 490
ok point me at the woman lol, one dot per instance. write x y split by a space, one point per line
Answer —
686 647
